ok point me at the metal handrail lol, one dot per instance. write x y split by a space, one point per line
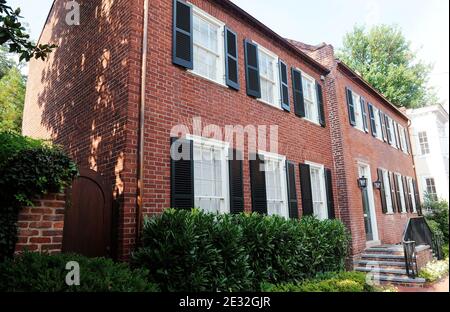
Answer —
417 231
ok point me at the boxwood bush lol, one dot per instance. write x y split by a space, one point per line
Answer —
35 272
196 251
339 282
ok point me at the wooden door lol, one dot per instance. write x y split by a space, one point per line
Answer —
88 216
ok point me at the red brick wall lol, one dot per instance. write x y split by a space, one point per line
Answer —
174 96
41 226
85 96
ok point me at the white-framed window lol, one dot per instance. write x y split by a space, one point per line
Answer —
276 185
211 175
387 191
423 143
402 192
403 142
392 132
411 194
310 98
430 184
318 189
209 45
269 77
376 113
358 112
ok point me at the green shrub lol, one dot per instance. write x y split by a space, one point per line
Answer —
34 272
195 251
28 168
434 270
445 250
437 210
333 282
12 143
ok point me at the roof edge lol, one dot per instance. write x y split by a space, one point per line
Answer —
230 5
358 77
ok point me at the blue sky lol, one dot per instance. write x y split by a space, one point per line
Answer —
425 23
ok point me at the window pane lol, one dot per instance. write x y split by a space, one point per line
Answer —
206 48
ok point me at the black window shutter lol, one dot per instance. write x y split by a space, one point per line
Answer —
231 59
373 124
292 190
258 185
320 104
297 88
330 198
417 197
383 126
382 191
305 183
397 194
284 88
183 43
182 174
252 69
388 129
406 194
408 142
236 182
397 135
351 107
364 114
393 191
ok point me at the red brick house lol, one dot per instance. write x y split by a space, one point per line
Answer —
134 75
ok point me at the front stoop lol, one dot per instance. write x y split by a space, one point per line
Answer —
386 264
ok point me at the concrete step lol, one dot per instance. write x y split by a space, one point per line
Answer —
398 280
400 264
379 264
384 250
388 271
383 256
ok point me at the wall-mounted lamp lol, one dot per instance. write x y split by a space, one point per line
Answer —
362 182
377 184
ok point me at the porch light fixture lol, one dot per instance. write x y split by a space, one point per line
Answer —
362 182
377 184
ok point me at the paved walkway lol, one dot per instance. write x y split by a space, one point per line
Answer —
441 286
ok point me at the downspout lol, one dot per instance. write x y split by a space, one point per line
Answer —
140 158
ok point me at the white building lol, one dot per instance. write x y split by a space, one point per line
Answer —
429 139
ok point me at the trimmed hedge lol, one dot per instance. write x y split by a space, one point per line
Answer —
196 251
35 272
340 282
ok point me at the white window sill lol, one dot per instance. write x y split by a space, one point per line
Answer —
360 129
389 213
269 104
313 122
221 84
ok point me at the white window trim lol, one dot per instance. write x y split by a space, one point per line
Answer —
412 194
357 107
376 113
425 186
276 71
387 190
419 146
282 160
403 139
224 146
392 130
321 167
221 75
315 100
